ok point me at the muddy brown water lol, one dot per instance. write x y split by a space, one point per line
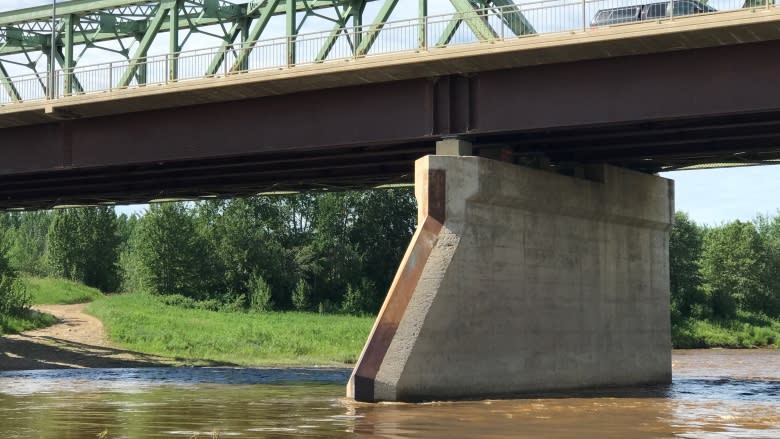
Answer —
715 394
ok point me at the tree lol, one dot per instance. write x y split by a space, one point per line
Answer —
383 227
14 299
685 247
83 245
769 231
28 242
172 257
242 234
733 267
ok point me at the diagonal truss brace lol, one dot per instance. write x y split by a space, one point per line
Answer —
511 16
370 36
265 13
8 85
166 7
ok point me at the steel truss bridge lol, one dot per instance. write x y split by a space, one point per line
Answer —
101 45
308 94
125 30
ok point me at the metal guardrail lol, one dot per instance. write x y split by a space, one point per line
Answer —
545 16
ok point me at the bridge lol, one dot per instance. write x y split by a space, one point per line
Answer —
550 275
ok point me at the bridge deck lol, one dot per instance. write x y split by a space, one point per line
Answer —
690 32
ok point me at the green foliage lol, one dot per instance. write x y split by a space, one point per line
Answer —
24 322
260 298
265 252
745 330
29 239
301 296
83 246
144 323
59 291
685 245
14 299
733 262
171 256
360 300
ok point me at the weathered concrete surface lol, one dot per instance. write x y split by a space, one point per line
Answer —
520 280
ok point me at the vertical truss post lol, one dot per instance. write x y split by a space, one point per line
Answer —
243 24
257 29
422 30
69 21
141 73
8 85
357 24
290 25
52 49
173 41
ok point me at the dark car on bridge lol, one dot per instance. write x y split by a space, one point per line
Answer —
650 11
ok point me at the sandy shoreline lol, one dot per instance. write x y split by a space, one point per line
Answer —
78 340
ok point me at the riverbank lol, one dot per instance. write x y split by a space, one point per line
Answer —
145 323
77 340
143 330
746 330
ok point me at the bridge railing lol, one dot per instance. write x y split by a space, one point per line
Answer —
485 25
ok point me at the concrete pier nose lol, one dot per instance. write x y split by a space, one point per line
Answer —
519 280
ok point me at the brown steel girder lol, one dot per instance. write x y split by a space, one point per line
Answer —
647 112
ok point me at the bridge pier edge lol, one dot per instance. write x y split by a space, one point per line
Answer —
520 281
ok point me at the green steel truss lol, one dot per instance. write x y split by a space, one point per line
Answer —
127 29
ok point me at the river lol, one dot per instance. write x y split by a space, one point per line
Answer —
714 394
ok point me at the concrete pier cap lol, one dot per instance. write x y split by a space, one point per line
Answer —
520 281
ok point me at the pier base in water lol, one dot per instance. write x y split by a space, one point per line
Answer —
519 280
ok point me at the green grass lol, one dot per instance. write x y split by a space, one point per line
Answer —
32 320
747 330
143 323
48 291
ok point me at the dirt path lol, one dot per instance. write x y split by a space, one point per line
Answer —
78 340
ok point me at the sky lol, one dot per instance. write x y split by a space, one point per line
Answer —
711 196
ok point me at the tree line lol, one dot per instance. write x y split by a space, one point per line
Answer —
331 252
715 272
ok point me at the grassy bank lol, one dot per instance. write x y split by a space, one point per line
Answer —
44 292
50 291
144 323
747 330
31 320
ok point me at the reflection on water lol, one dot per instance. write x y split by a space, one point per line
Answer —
715 394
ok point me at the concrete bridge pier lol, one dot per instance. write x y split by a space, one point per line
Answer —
519 280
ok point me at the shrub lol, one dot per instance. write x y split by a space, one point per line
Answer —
14 298
301 296
260 298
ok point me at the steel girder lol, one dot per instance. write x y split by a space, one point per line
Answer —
127 30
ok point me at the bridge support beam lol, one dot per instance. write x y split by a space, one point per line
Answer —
519 280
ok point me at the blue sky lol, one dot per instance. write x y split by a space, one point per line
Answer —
713 196
709 196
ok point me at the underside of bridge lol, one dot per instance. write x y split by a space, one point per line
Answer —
623 111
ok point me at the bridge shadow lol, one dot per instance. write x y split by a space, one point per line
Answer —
21 352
